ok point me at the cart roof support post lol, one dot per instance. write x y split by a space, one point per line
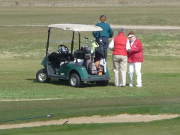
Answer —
47 46
72 43
79 40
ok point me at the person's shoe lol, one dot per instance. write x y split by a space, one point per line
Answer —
120 85
139 86
130 85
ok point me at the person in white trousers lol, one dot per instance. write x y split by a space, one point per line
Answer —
135 58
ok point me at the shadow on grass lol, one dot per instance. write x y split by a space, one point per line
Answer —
111 83
66 83
52 81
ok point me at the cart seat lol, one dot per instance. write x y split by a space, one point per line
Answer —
78 54
55 57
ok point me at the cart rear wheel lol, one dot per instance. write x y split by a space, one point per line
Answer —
75 80
41 76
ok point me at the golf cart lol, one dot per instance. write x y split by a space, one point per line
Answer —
86 64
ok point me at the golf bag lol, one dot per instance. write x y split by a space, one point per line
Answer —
100 59
92 68
99 53
89 61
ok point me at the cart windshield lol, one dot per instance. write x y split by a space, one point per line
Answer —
63 37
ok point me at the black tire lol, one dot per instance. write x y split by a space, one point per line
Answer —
102 83
75 80
41 76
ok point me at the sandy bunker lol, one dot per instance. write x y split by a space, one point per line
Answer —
122 118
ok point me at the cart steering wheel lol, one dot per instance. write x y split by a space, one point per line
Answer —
63 49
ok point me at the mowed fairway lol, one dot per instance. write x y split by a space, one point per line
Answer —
148 15
23 48
18 81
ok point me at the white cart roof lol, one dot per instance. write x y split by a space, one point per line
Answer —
76 27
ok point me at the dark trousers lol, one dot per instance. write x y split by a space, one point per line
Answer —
105 44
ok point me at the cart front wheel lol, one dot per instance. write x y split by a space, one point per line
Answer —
41 76
75 80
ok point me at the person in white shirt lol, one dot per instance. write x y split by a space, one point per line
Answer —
120 46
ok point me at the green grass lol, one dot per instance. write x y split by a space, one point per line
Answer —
23 48
21 111
161 44
165 127
159 94
30 41
151 15
18 81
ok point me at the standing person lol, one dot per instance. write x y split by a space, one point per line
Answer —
103 36
120 46
135 58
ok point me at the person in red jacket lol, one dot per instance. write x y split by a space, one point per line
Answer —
120 45
135 58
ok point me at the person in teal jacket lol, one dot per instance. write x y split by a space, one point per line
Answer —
103 36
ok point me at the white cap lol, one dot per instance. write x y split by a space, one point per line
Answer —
131 35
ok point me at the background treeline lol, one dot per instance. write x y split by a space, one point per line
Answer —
82 3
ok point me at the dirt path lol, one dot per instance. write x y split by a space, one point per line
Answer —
150 27
95 119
